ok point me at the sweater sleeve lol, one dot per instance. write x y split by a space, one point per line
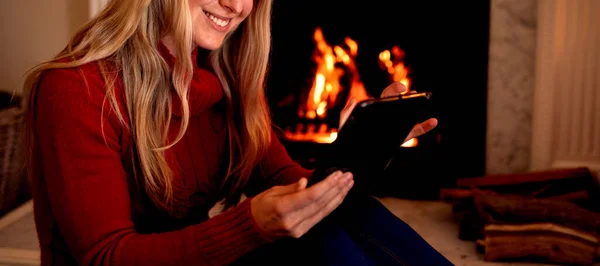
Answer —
88 190
278 168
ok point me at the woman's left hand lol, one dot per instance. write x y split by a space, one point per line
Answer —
391 90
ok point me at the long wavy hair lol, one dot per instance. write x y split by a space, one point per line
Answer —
128 33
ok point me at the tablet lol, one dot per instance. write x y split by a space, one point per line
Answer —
375 129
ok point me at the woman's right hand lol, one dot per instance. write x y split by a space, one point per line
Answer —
293 209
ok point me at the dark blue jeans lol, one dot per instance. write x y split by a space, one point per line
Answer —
360 232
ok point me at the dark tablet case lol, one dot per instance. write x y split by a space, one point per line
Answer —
368 140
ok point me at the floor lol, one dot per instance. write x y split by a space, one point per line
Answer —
18 240
433 220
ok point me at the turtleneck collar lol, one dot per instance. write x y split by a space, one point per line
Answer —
205 89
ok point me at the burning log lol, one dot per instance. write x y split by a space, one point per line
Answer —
544 242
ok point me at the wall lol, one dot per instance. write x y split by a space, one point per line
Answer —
511 82
33 31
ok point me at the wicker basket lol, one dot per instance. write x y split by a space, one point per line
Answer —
14 184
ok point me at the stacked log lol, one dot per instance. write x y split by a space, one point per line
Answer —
549 216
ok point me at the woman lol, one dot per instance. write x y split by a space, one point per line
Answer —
152 114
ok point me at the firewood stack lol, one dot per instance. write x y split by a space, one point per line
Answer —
548 216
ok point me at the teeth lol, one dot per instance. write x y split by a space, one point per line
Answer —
217 21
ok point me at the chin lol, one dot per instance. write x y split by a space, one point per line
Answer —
209 46
209 42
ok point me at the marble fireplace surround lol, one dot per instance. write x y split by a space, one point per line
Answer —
511 81
543 85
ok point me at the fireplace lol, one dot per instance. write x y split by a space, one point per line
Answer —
322 53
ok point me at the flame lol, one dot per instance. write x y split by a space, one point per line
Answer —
326 84
312 134
334 64
398 72
395 66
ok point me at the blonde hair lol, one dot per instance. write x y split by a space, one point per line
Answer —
128 33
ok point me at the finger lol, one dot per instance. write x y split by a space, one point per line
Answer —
422 128
315 193
294 205
393 89
350 104
291 188
330 194
346 112
323 212
305 197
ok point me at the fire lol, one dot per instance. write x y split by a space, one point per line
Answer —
393 63
337 76
333 65
326 85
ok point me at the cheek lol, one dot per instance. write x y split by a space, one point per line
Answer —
248 6
196 10
194 6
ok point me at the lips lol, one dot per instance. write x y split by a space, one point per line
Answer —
220 21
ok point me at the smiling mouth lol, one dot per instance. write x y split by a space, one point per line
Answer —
216 20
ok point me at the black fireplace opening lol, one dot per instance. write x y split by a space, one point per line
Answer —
445 45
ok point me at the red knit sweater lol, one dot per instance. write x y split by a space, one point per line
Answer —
82 200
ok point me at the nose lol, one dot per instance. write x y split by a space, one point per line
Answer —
234 6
